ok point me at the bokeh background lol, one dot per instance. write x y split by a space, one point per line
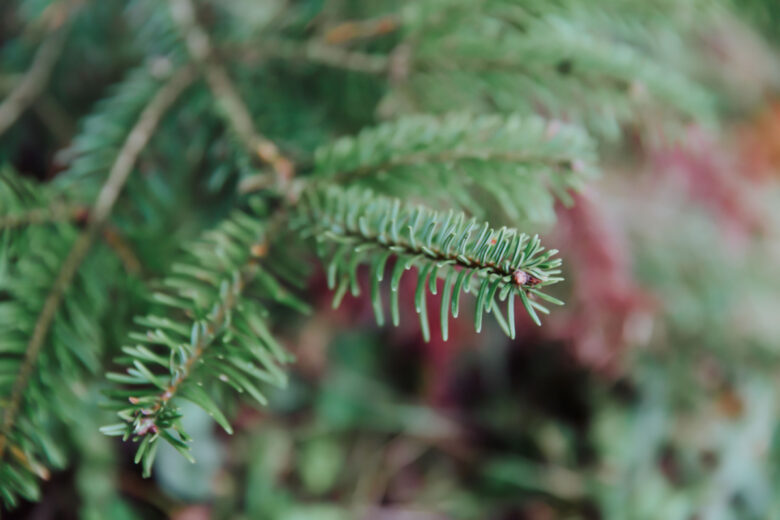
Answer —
653 394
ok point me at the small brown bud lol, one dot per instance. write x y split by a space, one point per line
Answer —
523 279
259 250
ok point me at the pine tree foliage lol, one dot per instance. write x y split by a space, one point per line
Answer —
215 331
519 162
51 319
357 228
552 52
34 414
105 129
23 204
532 83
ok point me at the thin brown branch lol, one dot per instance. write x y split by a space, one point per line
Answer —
200 48
349 31
322 53
56 212
50 113
133 146
35 79
55 118
123 250
77 214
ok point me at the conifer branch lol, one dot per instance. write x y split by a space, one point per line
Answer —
355 227
562 58
210 329
46 210
201 50
417 188
219 335
519 161
134 143
34 80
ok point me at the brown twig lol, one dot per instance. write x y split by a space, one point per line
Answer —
80 215
47 109
349 31
55 118
56 212
123 250
321 53
134 143
200 48
35 79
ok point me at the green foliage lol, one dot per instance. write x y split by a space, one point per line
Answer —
356 227
105 129
475 161
24 204
502 55
215 331
426 133
29 263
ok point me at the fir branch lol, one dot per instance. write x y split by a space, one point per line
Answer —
519 161
480 54
134 144
200 48
355 227
104 130
25 203
218 335
29 264
34 80
29 204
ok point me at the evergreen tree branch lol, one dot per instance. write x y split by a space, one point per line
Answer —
121 169
30 204
25 203
29 263
355 227
562 56
34 80
200 48
520 162
218 336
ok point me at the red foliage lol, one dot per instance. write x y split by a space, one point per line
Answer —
714 177
607 306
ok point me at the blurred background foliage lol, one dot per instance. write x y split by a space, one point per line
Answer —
653 394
